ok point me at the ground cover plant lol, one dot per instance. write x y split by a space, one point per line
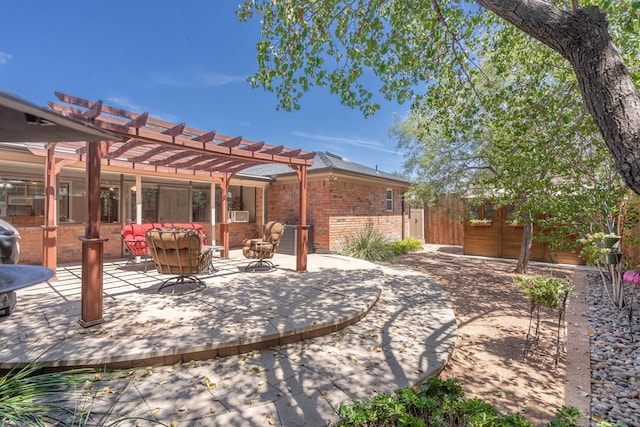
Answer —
32 397
28 398
438 403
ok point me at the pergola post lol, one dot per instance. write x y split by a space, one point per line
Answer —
49 228
303 231
224 218
138 199
212 197
92 244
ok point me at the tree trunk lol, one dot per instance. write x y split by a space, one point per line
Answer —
582 37
525 243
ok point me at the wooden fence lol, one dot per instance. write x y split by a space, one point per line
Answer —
446 224
443 224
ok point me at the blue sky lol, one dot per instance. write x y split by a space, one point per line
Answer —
181 61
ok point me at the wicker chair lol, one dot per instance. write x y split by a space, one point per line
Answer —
262 250
179 251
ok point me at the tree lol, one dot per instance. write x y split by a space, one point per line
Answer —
518 128
333 43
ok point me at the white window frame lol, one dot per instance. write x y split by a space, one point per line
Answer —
389 198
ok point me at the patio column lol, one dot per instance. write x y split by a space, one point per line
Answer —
138 199
224 222
303 230
212 197
49 228
50 225
92 244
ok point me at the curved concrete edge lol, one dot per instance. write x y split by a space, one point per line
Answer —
276 332
407 336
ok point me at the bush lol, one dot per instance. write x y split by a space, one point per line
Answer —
400 247
28 397
437 403
371 245
367 244
544 291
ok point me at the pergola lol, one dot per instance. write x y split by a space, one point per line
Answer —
146 144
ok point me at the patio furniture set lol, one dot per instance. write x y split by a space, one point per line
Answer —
180 250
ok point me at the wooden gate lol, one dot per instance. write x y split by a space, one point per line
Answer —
443 224
416 224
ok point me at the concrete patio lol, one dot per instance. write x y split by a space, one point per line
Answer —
253 348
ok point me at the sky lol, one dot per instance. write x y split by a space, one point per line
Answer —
180 61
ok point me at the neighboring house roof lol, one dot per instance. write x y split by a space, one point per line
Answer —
324 161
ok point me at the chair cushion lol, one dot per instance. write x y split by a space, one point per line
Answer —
175 250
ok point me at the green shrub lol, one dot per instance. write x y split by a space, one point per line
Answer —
400 247
437 403
544 291
367 244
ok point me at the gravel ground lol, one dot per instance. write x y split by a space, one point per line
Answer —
615 357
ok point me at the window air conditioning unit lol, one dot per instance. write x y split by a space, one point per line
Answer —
21 200
239 216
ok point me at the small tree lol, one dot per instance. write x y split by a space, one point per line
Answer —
604 247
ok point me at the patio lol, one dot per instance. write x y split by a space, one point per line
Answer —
401 328
238 311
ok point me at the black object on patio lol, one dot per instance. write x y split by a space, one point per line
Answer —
9 246
9 254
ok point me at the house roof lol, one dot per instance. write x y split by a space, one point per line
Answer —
324 161
22 121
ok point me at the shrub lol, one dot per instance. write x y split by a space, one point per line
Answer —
400 247
437 403
367 244
28 398
544 291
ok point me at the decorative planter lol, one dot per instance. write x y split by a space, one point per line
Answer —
610 257
480 223
608 241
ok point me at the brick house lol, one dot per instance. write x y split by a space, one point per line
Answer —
342 197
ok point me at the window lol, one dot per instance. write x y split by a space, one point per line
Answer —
109 203
485 211
173 204
149 204
242 199
389 199
200 205
22 198
489 211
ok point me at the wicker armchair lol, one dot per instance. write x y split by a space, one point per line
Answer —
179 251
262 250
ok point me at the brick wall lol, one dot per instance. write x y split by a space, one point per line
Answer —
339 206
69 246
335 207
